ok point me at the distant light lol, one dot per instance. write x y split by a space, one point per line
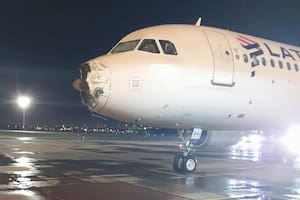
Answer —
251 142
291 139
23 102
255 139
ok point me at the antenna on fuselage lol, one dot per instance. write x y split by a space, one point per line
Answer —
198 23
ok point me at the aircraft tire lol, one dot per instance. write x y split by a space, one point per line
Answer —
178 162
189 164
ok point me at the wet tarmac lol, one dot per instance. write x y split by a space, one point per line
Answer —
56 166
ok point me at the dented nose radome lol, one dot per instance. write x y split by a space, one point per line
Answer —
93 85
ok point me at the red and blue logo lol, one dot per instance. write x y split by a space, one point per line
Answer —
253 47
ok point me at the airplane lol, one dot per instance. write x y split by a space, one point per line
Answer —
208 83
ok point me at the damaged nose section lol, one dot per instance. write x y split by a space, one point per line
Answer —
83 88
98 92
93 85
80 85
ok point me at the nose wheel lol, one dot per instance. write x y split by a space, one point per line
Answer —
189 164
184 164
178 162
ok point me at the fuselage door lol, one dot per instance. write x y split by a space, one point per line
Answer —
223 69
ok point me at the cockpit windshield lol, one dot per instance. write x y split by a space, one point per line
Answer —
125 46
149 45
168 47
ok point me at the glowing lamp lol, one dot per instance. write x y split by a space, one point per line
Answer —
23 102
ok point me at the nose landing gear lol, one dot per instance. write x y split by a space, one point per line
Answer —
185 162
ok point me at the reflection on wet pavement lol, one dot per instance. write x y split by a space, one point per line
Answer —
20 195
59 167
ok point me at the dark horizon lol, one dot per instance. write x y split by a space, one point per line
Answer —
43 43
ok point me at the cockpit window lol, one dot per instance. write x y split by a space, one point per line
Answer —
149 45
168 47
125 46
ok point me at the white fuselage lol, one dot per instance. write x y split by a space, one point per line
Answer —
219 80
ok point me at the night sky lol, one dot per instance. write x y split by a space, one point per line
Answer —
42 43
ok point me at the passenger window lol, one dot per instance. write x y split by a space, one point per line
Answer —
280 65
245 58
288 66
168 47
272 63
264 62
149 45
296 67
237 57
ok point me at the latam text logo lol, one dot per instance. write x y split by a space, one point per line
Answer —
256 50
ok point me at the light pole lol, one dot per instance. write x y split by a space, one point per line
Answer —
23 102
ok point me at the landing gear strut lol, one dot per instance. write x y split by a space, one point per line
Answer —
185 162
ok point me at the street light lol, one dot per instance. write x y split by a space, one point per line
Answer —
23 102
